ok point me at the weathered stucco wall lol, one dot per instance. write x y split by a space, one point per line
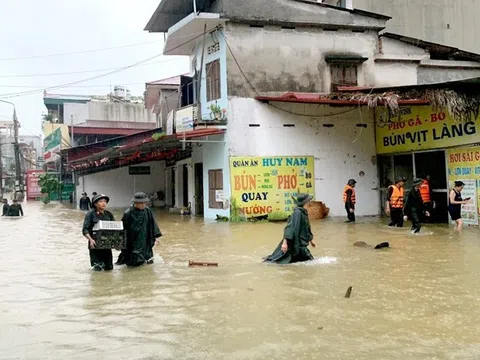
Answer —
341 152
279 60
447 22
395 73
292 11
119 112
428 75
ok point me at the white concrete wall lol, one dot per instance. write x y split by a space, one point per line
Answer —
108 111
395 73
120 186
279 60
448 22
76 112
340 152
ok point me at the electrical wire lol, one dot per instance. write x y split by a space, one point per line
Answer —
76 52
77 72
7 96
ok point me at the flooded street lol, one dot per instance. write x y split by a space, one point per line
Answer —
417 300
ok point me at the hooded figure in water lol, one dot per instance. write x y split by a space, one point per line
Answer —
296 236
142 233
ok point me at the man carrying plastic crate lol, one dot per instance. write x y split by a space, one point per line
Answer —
100 259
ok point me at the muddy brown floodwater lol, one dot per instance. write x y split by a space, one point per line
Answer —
417 300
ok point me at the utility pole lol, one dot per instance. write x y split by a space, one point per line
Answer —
18 170
1 167
16 148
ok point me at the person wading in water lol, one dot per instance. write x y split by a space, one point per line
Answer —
394 205
85 203
15 209
350 200
415 208
455 204
6 207
296 236
142 233
100 259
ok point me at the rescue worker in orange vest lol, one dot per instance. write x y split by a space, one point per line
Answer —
394 205
427 195
349 199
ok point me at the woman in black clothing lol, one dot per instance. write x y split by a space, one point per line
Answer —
455 204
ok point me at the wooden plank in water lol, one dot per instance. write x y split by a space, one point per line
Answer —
348 293
197 263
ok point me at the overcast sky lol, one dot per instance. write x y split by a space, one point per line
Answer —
36 28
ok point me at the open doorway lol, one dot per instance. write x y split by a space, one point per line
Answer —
185 184
199 189
433 163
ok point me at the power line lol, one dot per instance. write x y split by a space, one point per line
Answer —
6 96
77 52
78 72
80 81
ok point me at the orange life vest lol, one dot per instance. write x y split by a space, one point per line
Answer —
348 187
425 191
396 200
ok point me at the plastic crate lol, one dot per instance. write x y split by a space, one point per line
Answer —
108 225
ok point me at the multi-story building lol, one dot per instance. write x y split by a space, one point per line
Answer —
277 108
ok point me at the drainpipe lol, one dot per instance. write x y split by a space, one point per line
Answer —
195 6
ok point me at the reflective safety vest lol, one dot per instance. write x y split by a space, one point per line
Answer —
425 191
396 200
348 187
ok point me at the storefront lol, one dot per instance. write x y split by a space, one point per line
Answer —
422 141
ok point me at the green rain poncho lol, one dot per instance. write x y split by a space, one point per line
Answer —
142 231
298 235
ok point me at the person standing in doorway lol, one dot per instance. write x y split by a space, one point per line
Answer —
350 200
100 259
5 208
394 205
455 204
142 233
414 207
427 195
15 209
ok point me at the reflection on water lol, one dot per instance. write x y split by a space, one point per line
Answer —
417 300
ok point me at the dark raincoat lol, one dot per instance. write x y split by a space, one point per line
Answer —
5 209
15 210
142 232
99 258
298 235
415 209
85 203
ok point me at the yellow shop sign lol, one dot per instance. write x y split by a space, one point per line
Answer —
421 128
262 185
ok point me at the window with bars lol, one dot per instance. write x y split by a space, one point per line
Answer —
343 74
213 80
215 182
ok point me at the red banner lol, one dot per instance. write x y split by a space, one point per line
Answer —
33 189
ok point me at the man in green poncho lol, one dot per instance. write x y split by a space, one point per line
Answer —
142 233
296 236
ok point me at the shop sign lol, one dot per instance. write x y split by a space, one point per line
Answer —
262 185
170 123
421 128
139 170
464 164
52 145
184 119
